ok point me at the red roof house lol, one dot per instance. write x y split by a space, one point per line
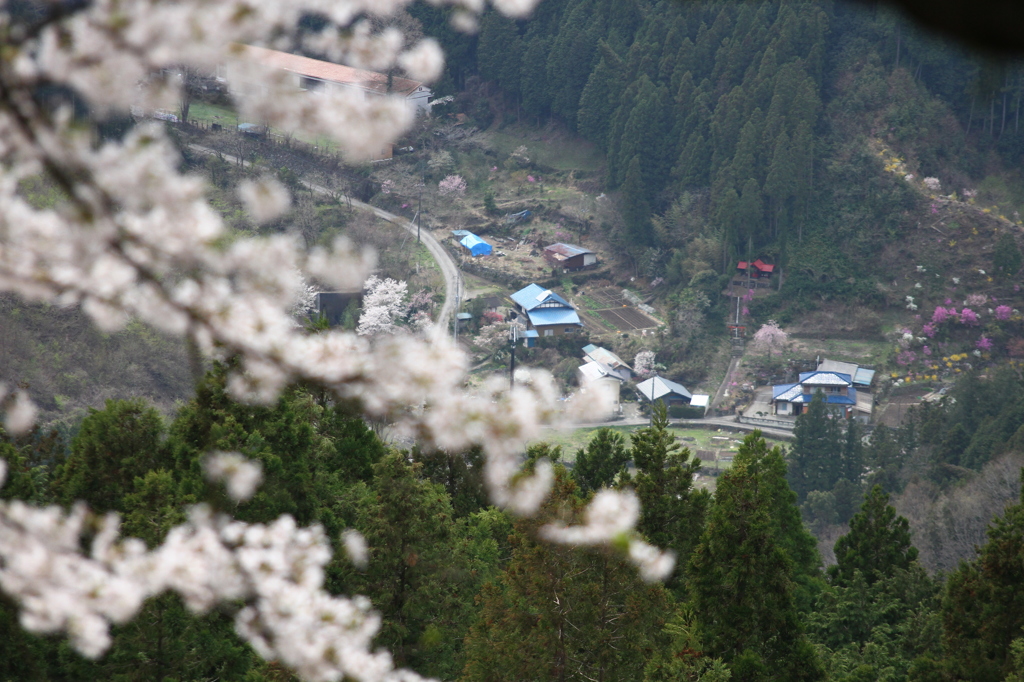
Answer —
759 268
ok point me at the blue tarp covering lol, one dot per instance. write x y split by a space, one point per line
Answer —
475 245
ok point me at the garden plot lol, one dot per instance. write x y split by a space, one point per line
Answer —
626 319
606 304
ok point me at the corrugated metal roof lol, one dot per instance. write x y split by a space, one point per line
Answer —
837 366
657 387
567 250
335 73
864 377
605 356
548 316
534 295
597 370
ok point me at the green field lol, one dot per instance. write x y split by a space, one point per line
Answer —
571 440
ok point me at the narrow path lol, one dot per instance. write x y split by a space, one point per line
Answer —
720 394
449 269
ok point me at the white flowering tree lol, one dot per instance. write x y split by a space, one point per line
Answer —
137 239
384 306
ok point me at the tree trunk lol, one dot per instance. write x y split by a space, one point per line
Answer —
898 41
1002 126
970 119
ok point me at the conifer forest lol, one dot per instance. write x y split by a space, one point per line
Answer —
266 415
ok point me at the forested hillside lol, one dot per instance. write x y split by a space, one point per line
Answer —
735 129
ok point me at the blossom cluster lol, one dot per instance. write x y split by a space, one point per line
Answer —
210 558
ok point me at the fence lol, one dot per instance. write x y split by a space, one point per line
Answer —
761 421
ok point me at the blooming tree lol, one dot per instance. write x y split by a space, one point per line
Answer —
643 363
384 306
137 239
452 185
769 337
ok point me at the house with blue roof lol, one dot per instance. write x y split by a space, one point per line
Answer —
546 312
837 389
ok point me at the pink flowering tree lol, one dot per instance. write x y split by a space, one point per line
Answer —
984 344
643 363
769 337
1003 312
968 317
452 185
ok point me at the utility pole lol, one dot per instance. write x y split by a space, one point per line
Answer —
513 335
419 212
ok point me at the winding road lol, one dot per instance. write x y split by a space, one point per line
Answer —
453 288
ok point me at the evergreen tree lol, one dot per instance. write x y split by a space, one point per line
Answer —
877 545
561 613
983 606
597 103
636 208
113 447
816 453
741 578
672 511
603 459
411 575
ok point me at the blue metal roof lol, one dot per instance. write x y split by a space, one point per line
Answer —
548 316
779 389
529 334
830 399
534 295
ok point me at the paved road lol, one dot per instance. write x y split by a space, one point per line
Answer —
452 277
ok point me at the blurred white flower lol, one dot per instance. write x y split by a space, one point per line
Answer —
265 199
240 475
355 547
21 414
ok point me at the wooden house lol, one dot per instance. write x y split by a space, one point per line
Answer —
569 256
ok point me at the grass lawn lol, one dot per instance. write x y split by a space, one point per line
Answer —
571 440
211 113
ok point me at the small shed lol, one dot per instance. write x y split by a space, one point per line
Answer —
475 245
530 337
569 256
